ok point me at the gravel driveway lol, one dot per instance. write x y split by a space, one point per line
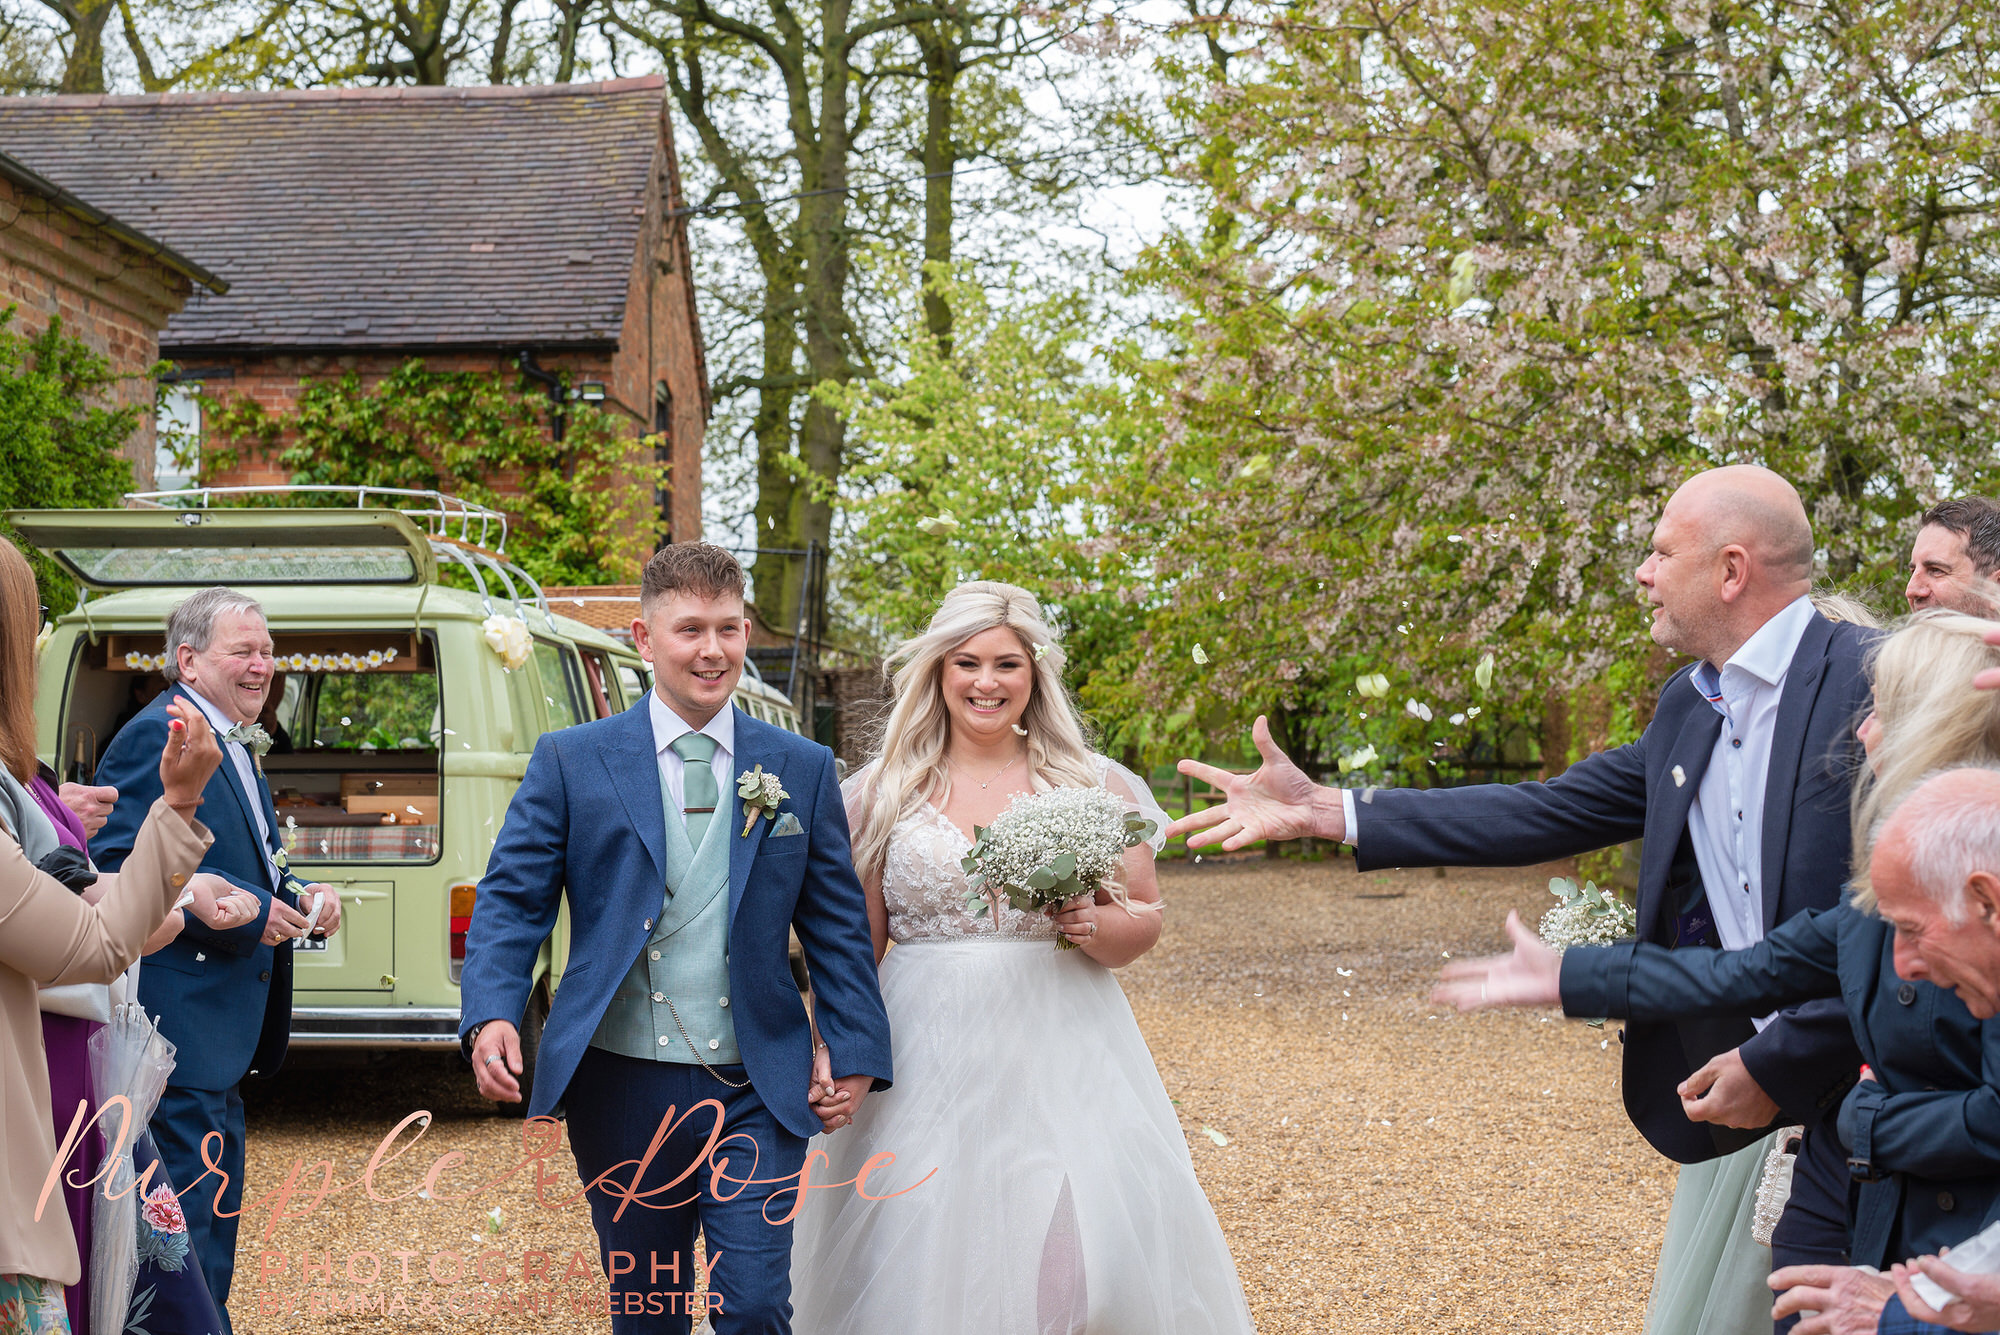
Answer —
1377 1165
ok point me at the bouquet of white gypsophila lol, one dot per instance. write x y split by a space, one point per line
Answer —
1587 916
1049 847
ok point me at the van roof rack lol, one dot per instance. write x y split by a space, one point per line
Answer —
447 521
443 515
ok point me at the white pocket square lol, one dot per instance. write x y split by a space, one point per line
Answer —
788 823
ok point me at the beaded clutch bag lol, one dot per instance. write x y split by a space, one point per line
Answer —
1776 1187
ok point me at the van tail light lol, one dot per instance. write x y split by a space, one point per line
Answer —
463 893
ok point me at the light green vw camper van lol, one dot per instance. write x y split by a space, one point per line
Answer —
402 732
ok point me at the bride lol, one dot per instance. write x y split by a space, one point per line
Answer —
1045 1183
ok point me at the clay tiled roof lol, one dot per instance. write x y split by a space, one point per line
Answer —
372 217
32 181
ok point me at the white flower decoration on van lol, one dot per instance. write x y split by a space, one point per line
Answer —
508 637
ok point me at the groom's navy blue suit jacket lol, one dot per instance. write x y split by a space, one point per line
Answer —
588 819
1806 1059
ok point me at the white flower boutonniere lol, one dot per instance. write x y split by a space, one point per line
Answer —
761 794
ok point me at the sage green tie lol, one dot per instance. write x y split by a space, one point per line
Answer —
697 782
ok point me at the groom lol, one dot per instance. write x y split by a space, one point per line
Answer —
678 990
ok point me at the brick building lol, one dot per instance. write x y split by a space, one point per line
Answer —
528 231
113 286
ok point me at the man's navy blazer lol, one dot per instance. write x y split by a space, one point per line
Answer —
1926 1129
224 999
588 820
1806 1059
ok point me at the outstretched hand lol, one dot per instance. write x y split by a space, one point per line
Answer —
1276 802
1530 976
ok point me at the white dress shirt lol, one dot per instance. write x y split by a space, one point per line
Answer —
1726 822
669 727
246 771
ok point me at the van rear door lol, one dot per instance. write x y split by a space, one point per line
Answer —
131 549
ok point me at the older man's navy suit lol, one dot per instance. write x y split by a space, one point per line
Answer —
1923 1135
1806 1059
224 999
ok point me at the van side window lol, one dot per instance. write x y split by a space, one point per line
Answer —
559 685
600 689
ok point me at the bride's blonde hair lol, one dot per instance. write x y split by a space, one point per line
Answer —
910 765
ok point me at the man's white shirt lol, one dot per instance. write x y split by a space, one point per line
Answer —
669 727
246 771
1726 822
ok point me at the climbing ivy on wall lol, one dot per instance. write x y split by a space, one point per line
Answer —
582 508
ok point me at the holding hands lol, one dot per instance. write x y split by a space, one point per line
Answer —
1276 802
835 1101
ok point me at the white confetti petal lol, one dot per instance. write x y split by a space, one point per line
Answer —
1215 1135
1200 656
1680 776
1483 674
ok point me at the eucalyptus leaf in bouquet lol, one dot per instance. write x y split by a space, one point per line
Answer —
1587 916
1049 847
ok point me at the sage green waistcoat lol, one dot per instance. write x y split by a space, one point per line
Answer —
685 961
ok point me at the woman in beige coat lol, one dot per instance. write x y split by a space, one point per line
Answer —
49 936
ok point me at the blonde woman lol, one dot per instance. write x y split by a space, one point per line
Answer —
1040 1181
1919 673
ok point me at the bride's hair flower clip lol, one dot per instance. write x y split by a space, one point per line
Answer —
1041 652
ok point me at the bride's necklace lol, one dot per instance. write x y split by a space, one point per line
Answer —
975 778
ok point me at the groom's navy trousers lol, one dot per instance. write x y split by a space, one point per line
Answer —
615 1107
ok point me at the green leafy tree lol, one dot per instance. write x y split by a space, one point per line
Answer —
61 446
1476 286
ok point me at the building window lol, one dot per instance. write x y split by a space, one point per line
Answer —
177 437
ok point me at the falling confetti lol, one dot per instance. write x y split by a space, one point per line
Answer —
412 810
1200 656
1344 973
346 722
1455 537
1417 709
1483 674
939 525
1456 719
1256 466
1472 712
1680 776
1373 685
1215 1135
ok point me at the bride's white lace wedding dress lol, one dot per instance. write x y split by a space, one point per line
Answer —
1061 1198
